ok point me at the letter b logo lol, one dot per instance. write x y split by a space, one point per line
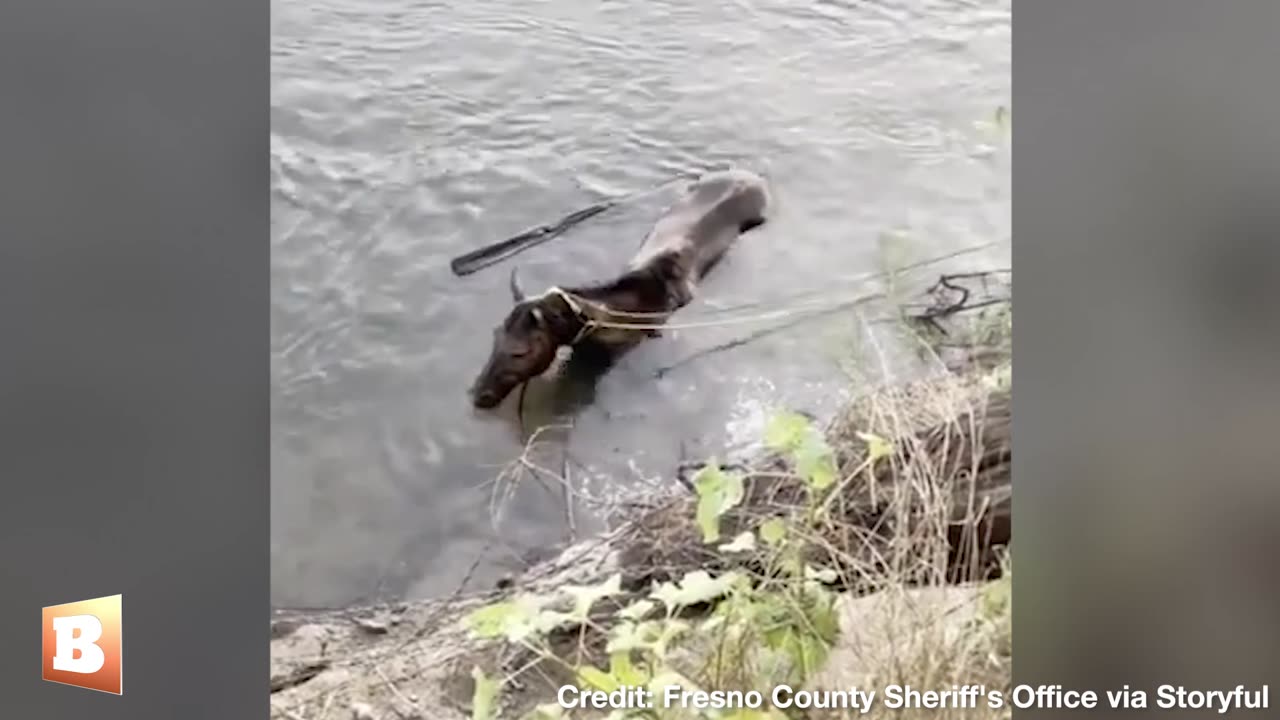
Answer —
74 634
82 644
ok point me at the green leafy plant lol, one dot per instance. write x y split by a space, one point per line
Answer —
773 620
718 492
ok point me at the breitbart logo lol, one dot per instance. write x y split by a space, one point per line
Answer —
82 643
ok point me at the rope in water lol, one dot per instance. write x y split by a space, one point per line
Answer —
825 303
779 314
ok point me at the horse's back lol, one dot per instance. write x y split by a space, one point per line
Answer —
713 211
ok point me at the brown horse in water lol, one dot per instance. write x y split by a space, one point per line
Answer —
611 317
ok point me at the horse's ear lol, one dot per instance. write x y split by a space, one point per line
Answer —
517 293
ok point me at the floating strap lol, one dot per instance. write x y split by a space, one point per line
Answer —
497 252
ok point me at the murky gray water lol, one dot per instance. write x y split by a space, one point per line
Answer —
406 132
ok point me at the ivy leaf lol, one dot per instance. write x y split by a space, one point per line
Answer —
824 620
810 650
816 463
513 619
717 493
628 636
877 447
741 608
806 651
795 435
621 668
786 431
744 542
597 678
773 530
695 587
491 621
671 630
547 620
584 596
650 636
825 575
484 697
636 610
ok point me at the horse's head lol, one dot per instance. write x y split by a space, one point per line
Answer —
524 345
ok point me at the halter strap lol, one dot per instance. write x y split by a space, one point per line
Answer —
589 324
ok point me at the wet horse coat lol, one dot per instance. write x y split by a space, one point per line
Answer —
660 279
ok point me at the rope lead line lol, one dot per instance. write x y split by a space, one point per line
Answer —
716 318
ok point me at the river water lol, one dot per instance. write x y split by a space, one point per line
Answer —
405 132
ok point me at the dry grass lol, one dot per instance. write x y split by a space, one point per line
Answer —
947 495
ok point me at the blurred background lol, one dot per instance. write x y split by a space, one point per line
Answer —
1148 347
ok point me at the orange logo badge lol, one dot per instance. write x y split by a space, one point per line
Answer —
82 644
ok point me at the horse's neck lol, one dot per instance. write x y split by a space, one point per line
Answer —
628 293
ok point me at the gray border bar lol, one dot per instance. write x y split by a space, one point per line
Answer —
1146 171
134 277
